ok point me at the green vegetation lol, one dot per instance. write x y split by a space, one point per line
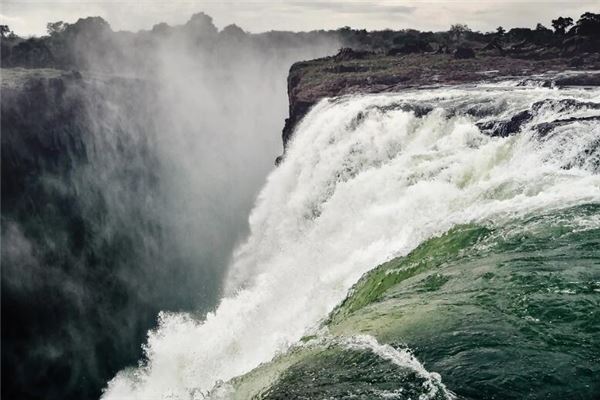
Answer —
90 43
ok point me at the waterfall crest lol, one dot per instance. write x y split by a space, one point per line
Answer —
366 179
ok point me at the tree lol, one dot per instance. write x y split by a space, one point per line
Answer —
233 31
54 28
4 30
500 31
588 25
457 31
561 24
202 25
161 29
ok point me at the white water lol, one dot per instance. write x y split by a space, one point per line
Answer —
350 196
402 358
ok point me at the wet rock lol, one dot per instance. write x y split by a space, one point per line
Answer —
505 128
297 110
545 128
583 79
565 104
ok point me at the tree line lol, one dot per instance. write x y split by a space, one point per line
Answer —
69 46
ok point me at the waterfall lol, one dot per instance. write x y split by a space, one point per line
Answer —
367 178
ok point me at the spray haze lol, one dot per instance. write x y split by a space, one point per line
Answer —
151 249
143 171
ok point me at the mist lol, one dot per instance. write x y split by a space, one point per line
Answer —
152 156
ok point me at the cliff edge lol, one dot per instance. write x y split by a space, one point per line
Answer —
352 71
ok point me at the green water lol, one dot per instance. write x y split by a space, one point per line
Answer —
504 310
325 374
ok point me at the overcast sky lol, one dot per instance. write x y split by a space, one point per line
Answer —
29 17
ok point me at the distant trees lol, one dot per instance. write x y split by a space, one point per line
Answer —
458 31
561 24
6 33
4 30
541 36
54 28
90 28
91 42
233 31
588 25
31 53
161 29
201 27
6 45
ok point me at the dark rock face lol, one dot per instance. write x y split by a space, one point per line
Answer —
69 316
585 79
516 122
297 112
86 260
464 53
506 128
546 127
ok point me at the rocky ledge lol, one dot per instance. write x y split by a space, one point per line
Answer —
352 71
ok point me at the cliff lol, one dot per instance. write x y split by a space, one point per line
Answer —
352 71
68 257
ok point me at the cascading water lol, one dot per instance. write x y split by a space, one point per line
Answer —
367 179
128 190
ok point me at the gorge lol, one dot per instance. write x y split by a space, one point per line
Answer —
430 231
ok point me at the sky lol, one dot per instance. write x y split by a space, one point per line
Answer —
29 17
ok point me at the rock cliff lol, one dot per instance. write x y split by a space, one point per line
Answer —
75 303
365 72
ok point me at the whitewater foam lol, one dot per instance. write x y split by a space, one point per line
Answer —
402 358
365 180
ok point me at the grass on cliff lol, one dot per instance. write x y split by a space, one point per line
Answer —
326 77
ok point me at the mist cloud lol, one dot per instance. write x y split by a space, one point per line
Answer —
138 174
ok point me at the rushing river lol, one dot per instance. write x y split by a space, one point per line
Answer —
481 207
